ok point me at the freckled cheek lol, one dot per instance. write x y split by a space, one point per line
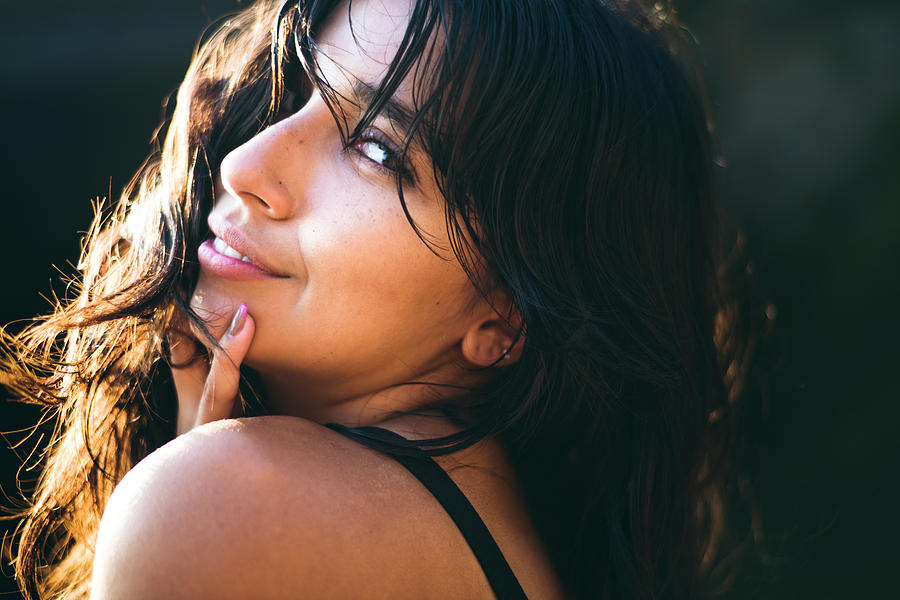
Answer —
378 258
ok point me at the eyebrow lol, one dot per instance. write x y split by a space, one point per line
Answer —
399 114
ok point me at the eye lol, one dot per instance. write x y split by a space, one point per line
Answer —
376 152
385 156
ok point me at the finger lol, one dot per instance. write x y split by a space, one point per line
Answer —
221 387
189 367
182 342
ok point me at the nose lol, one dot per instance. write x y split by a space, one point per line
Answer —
266 171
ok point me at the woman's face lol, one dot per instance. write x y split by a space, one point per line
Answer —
347 299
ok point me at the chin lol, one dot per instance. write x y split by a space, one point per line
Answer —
215 310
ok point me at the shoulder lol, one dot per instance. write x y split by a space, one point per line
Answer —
267 508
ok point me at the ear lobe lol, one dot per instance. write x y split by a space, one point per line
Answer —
492 342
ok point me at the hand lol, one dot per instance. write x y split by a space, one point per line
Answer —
207 383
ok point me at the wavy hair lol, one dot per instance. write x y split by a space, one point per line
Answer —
572 146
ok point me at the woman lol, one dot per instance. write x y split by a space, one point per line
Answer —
383 230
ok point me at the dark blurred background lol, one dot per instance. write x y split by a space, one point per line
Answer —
806 97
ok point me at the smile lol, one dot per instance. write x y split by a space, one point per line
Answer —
218 258
223 248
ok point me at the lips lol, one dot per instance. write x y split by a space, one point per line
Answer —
231 254
222 248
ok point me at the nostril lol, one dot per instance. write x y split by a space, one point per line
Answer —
263 204
252 199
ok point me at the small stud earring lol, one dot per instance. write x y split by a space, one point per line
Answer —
506 354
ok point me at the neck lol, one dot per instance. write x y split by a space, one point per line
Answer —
406 403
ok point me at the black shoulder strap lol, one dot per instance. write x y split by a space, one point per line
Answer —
503 581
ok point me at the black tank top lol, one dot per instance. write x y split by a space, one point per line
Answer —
503 581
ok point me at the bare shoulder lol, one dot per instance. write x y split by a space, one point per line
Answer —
238 508
277 507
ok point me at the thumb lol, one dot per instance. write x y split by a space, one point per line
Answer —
221 388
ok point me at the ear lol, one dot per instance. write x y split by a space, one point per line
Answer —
493 339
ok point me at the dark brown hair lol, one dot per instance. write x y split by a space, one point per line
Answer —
572 146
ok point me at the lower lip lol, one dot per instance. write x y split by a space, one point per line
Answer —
226 266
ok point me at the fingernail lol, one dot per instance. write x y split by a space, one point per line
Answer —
238 321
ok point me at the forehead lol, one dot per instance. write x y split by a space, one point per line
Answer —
359 39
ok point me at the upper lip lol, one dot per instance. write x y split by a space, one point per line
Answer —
236 238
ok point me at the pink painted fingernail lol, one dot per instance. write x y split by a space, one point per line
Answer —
238 321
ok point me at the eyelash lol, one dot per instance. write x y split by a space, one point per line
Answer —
392 152
371 136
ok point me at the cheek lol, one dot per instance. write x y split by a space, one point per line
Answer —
373 290
375 261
